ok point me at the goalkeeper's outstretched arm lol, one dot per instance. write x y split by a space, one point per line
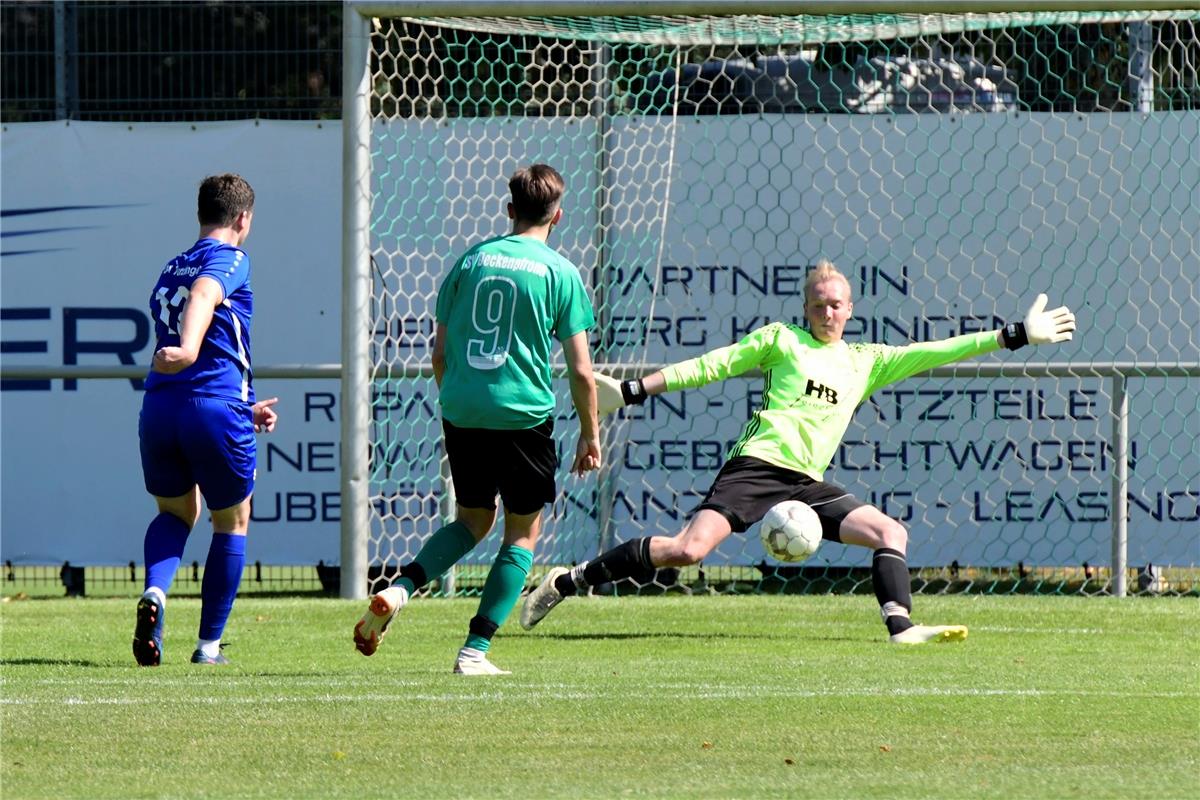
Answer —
1039 326
612 394
715 365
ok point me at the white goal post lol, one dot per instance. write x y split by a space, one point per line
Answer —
946 155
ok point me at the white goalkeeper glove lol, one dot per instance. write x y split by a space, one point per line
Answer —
1040 326
612 394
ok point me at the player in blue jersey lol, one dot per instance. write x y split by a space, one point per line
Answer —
199 417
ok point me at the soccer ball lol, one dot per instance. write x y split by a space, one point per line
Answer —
791 531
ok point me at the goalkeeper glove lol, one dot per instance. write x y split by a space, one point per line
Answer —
1040 326
613 394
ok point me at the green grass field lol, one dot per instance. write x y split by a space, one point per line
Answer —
720 697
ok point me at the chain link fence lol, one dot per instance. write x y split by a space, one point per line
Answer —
189 61
19 581
170 61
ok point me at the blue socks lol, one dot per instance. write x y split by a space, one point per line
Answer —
222 574
163 549
166 537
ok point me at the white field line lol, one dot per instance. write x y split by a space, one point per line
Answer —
976 629
541 693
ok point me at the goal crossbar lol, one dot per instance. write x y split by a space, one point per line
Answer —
620 8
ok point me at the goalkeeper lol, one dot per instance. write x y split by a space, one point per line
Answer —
813 382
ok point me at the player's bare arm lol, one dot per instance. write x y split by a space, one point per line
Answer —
204 296
583 394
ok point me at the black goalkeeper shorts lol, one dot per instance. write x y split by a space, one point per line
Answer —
519 465
746 488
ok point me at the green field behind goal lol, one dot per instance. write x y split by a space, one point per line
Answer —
753 696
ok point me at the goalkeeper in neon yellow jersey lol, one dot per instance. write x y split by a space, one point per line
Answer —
814 381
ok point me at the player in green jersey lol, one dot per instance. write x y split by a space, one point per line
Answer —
498 310
814 381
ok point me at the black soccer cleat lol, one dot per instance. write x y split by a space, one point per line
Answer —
148 632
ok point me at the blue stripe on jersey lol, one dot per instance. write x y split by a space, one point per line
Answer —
223 366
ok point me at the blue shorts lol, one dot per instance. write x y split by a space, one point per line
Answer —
188 440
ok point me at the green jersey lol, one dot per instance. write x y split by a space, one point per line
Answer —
811 389
501 303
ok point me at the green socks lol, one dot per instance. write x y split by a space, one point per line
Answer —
441 551
500 593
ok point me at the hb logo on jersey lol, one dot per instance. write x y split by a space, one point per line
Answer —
821 391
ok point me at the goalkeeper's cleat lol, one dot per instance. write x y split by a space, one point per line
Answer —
369 631
218 660
921 634
473 662
545 597
148 632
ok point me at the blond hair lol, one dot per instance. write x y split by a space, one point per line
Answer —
824 271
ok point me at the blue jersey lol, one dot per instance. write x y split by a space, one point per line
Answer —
222 368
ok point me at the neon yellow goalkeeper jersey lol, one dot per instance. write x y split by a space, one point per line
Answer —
812 389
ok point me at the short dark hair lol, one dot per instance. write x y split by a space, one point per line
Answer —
536 193
222 198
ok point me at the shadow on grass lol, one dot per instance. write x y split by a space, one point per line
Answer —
656 635
51 662
790 636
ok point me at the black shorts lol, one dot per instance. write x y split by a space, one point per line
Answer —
746 488
519 465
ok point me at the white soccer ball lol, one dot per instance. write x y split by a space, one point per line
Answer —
791 531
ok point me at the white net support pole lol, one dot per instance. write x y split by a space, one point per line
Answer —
447 509
1120 485
356 304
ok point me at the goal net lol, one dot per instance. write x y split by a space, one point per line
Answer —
953 166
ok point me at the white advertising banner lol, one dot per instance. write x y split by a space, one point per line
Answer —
984 471
943 229
940 239
91 213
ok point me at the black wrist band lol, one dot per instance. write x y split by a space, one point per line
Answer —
1014 335
633 392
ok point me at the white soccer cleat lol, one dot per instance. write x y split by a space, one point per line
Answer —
545 597
369 631
921 634
473 662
